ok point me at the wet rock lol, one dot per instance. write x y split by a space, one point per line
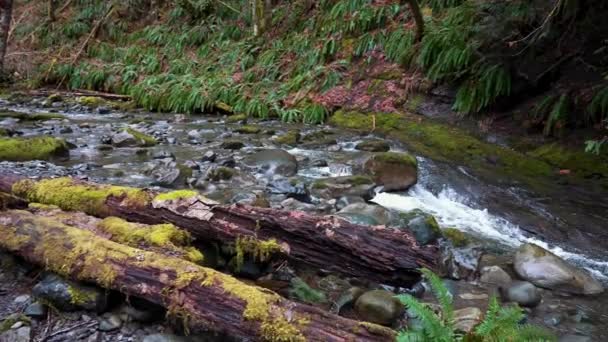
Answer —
36 310
460 263
22 334
292 204
344 201
20 300
69 296
132 138
291 138
318 139
167 172
103 110
395 171
291 188
466 319
273 161
347 299
237 118
373 146
319 163
105 147
521 292
378 306
220 173
232 145
456 237
365 214
545 269
163 155
495 275
424 226
574 338
336 187
209 156
248 129
110 322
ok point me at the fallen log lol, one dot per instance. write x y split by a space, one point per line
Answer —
376 253
79 92
205 299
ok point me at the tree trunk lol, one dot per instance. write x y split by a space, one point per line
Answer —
258 16
203 298
377 253
6 13
415 8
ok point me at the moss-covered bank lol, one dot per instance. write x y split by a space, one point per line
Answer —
453 145
22 149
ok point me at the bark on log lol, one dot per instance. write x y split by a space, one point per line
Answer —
79 92
205 299
376 253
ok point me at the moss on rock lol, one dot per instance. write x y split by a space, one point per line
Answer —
291 137
457 237
237 118
450 144
143 140
22 149
248 129
32 116
91 101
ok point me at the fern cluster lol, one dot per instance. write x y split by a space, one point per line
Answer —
499 324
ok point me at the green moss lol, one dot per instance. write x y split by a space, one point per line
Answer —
80 297
236 118
167 236
4 132
43 207
450 144
220 173
72 195
578 162
142 139
91 101
458 238
300 290
248 129
395 158
355 180
9 321
291 137
319 185
260 250
175 195
21 149
432 223
33 116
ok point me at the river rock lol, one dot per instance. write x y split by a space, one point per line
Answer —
209 156
373 145
336 187
273 161
460 263
379 306
22 334
232 145
344 201
110 322
395 171
69 296
466 319
365 214
36 310
545 269
292 204
167 172
521 292
291 188
495 275
132 138
424 226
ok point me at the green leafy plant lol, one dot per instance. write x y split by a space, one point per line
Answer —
499 324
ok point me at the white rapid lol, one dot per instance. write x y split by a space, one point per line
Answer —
453 210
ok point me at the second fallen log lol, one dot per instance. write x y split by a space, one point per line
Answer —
375 253
205 299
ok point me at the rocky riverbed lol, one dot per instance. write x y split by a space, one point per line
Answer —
484 231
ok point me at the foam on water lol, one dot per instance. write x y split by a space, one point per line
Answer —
452 210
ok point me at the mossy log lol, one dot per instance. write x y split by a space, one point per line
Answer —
203 298
376 253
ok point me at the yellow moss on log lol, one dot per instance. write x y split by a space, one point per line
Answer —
175 195
73 196
79 296
260 250
81 255
166 236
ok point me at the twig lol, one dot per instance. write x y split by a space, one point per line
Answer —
229 7
67 3
65 330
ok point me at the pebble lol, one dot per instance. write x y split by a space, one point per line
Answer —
36 310
21 299
17 325
110 322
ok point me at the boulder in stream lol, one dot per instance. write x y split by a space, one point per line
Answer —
38 148
373 145
132 138
336 187
274 161
365 214
521 292
395 171
545 269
